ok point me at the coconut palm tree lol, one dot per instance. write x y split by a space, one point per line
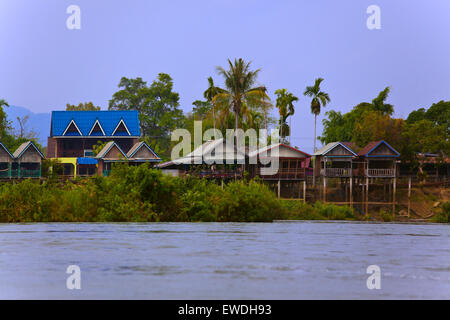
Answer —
3 103
319 99
210 93
239 95
285 104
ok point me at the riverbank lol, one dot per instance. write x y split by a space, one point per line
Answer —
140 194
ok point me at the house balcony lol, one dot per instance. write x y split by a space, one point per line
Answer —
336 172
380 173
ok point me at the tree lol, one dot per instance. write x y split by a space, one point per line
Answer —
347 127
438 114
378 104
86 106
23 131
96 148
285 104
424 136
376 126
319 99
201 109
240 94
158 107
209 95
4 124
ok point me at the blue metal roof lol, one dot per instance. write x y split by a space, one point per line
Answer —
87 161
84 120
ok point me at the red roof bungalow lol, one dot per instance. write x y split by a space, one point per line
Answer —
378 160
293 163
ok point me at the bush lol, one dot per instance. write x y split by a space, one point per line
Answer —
298 210
136 193
386 216
444 215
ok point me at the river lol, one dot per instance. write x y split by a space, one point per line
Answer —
280 260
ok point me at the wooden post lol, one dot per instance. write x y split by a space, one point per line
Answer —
324 189
393 197
304 191
299 190
409 196
367 195
351 192
279 189
222 183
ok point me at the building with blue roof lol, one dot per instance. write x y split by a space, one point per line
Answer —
73 135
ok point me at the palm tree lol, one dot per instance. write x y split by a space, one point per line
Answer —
319 99
210 93
285 104
266 105
379 105
239 95
3 103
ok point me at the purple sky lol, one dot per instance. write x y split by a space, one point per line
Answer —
43 65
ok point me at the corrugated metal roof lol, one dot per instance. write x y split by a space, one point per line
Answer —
107 147
85 120
212 151
326 148
23 147
139 145
330 146
372 145
85 160
269 147
6 149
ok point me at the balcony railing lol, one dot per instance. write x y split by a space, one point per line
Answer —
335 172
214 174
282 173
25 173
380 172
4 173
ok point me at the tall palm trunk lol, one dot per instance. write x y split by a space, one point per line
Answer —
290 130
214 120
315 122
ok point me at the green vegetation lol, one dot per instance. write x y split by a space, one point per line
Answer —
158 106
86 106
8 137
386 216
444 215
136 193
424 131
140 194
297 210
285 105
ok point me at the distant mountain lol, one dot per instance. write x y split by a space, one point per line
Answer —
37 122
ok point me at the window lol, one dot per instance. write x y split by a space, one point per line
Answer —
88 153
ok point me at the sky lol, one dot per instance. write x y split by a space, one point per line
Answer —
44 65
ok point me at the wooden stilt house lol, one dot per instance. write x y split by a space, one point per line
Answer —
378 160
215 159
293 164
111 153
6 161
335 160
141 152
27 161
